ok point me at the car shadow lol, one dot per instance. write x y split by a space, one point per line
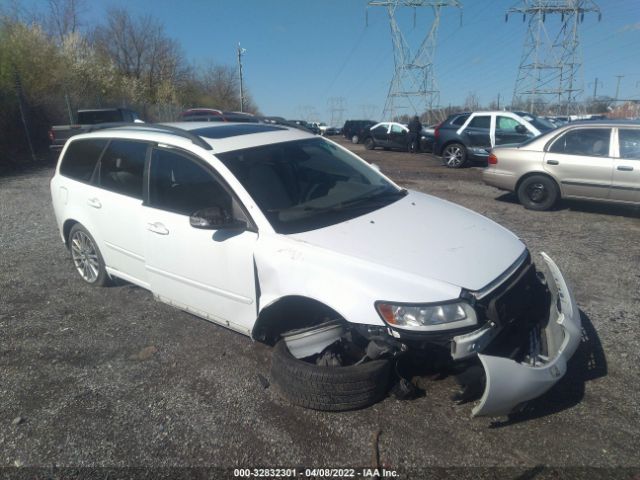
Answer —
586 206
588 363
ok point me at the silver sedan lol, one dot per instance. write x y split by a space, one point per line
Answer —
589 160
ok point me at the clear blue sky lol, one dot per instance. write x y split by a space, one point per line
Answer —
302 52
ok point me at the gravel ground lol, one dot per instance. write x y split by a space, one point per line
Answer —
107 377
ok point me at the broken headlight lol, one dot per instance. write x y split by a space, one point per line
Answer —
428 317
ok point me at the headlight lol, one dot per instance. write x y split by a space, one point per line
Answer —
445 316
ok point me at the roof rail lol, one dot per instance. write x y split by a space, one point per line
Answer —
154 127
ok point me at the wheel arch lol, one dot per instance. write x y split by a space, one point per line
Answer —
66 229
290 312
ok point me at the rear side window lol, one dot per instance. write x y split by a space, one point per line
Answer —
590 142
458 121
629 143
81 157
481 121
122 167
181 185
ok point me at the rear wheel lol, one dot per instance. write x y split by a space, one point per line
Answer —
87 257
355 139
369 143
538 192
454 155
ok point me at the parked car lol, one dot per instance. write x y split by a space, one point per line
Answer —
390 135
293 240
594 160
354 130
213 115
464 137
85 119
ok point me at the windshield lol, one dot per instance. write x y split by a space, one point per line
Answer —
307 184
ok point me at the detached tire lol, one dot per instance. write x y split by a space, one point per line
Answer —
328 388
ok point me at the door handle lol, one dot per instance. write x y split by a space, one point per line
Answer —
553 162
94 202
624 168
158 228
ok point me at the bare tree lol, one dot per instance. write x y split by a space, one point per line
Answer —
64 17
472 102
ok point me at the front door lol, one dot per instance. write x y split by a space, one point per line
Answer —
207 272
626 166
580 159
507 131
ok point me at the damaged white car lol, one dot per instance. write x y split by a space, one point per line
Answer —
295 241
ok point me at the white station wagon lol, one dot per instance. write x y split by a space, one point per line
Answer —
297 242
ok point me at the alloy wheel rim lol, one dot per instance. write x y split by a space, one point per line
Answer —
454 156
85 256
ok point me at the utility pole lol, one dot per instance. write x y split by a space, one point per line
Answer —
550 66
595 87
413 85
241 52
619 77
498 101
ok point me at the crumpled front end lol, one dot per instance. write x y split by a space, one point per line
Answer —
511 381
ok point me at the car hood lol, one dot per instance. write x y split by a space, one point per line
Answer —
425 236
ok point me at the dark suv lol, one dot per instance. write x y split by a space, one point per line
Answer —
355 130
471 135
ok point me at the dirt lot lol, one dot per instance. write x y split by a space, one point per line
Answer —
108 377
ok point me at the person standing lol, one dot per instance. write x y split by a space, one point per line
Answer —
415 127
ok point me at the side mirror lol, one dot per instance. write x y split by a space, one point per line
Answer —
215 218
521 129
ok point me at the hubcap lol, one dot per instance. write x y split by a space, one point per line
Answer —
537 192
453 156
85 256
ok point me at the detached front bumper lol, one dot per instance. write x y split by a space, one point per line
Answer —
510 383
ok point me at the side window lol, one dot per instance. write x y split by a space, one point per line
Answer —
381 129
506 123
122 166
81 157
629 143
590 142
397 129
459 121
481 121
181 185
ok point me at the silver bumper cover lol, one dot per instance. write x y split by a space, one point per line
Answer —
509 383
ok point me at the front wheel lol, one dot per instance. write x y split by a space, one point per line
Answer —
538 192
369 144
454 155
87 257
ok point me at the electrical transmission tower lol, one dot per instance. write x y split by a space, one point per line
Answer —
551 62
413 89
336 109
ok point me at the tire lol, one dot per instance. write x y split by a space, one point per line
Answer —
86 257
355 139
369 144
454 155
328 388
538 192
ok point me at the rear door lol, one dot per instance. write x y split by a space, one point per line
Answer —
118 208
581 161
380 135
626 166
398 137
477 133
